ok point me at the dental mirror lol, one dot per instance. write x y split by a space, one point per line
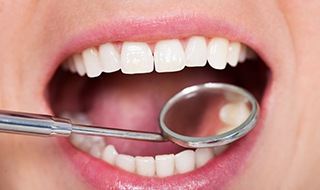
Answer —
207 115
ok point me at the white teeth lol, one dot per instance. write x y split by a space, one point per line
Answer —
109 154
169 56
136 57
145 166
109 58
185 161
91 62
233 53
196 52
126 162
217 53
203 155
165 165
79 64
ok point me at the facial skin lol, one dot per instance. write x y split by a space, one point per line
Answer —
33 33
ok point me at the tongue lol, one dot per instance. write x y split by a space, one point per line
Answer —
134 102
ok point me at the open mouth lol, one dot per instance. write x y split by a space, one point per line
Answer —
125 84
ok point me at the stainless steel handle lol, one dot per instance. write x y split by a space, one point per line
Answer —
34 124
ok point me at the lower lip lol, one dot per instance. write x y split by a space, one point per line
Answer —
218 172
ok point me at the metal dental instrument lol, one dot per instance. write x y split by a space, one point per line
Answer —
172 113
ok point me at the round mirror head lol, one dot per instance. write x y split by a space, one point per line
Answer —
208 115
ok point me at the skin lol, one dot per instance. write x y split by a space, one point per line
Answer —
286 153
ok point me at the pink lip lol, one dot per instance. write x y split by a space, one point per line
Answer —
219 172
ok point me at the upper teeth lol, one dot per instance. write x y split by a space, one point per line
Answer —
168 56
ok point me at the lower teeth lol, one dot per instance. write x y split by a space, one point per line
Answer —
159 166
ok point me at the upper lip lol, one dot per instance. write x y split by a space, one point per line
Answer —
148 29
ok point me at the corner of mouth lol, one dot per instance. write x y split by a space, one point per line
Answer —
221 169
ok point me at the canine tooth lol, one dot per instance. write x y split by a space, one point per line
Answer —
217 53
136 57
145 166
185 161
109 58
243 53
91 62
164 165
234 113
196 52
203 155
79 64
169 56
233 53
109 154
126 162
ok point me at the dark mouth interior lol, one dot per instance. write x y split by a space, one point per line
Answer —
125 101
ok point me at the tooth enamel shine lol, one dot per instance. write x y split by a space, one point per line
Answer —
109 58
91 62
169 56
196 52
217 53
136 57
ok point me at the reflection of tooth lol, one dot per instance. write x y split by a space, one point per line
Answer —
169 56
109 154
233 53
196 52
185 161
165 165
145 166
91 62
203 155
126 162
234 113
109 58
136 57
217 52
